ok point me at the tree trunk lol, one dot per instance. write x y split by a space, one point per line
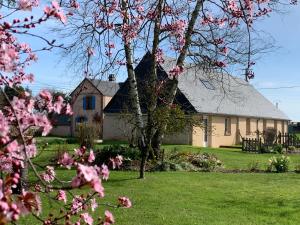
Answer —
171 84
134 95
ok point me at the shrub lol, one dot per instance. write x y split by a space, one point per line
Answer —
278 148
86 135
103 155
253 166
292 148
187 161
279 163
269 135
297 168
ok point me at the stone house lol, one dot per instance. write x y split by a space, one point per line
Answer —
89 99
230 107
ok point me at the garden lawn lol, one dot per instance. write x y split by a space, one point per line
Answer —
170 198
232 158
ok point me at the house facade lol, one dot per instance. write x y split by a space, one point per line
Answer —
89 99
228 107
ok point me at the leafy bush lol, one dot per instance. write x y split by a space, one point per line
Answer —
71 140
297 168
207 162
188 161
253 166
292 148
279 163
269 135
278 148
86 135
103 155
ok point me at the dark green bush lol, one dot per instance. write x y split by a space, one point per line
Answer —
278 148
103 155
279 163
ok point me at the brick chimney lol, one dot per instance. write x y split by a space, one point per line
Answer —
111 77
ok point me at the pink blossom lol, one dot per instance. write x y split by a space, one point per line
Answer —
12 147
58 105
31 150
87 218
4 128
118 160
104 172
125 202
176 71
109 219
49 174
90 51
1 189
46 95
77 204
69 109
80 151
91 157
94 204
27 5
61 196
66 160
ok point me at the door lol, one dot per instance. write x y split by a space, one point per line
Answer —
205 131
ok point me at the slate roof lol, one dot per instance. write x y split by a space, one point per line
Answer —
107 88
205 92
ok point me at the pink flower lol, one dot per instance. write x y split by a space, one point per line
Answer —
176 71
109 219
87 218
26 5
55 5
1 189
94 204
49 174
69 109
61 196
77 204
12 147
46 95
66 160
80 151
90 51
118 160
97 186
91 157
125 202
58 105
4 128
31 150
104 172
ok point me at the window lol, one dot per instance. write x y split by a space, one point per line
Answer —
275 125
282 127
81 119
248 126
227 126
89 102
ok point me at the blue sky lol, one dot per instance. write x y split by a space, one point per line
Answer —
275 73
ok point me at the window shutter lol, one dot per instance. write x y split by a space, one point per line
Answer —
84 103
93 102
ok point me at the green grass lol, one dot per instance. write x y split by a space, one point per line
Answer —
234 158
171 198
